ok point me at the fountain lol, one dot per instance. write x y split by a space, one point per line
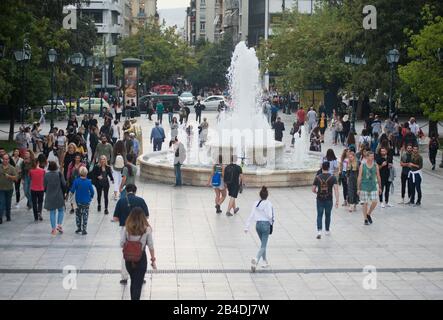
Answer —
243 132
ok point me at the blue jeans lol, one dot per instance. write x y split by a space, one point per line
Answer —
170 116
326 208
415 186
263 228
5 203
158 144
52 214
27 190
178 174
160 117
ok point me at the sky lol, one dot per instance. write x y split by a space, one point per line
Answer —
169 4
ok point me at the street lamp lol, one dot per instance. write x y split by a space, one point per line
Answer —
392 57
52 56
90 65
77 60
355 60
22 56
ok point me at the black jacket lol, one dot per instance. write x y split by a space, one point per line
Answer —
107 175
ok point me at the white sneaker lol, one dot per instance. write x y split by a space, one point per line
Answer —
265 264
388 205
17 206
402 201
319 235
328 233
253 264
383 205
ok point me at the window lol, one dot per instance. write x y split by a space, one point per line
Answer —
202 26
95 15
202 3
115 16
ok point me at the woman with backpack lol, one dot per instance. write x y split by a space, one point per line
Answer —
263 214
434 145
333 163
55 186
135 236
365 140
101 175
216 181
118 163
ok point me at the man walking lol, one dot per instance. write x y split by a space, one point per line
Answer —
103 149
8 175
322 186
157 136
279 127
198 111
122 210
384 162
368 178
312 119
179 159
405 160
233 178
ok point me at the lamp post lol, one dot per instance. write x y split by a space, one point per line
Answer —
22 56
392 57
77 60
90 65
52 56
355 60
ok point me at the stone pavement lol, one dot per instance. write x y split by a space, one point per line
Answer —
201 255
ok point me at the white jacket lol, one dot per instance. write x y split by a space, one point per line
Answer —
262 212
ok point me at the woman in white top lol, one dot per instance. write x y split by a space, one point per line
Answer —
60 142
115 132
137 228
263 214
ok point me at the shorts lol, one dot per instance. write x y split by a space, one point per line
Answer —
368 196
233 190
220 187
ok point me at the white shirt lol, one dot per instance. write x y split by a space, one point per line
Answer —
116 131
414 128
264 212
312 116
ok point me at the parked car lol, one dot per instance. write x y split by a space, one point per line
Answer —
212 102
187 98
58 106
95 105
169 100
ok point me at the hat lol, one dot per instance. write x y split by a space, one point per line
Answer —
345 117
132 134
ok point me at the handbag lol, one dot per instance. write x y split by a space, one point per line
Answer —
271 227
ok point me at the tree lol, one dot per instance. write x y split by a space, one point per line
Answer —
163 52
212 63
424 74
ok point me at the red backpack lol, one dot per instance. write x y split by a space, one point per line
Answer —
132 250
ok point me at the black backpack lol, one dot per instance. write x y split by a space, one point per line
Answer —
323 191
229 174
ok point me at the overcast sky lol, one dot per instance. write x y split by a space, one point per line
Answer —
168 4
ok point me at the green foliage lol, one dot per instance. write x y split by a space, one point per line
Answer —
162 50
212 63
424 74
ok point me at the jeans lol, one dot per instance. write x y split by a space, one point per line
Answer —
170 116
81 216
118 116
158 144
263 228
160 117
432 156
5 203
385 186
27 190
37 202
137 273
17 190
52 214
178 174
198 117
415 186
105 190
326 208
344 182
404 180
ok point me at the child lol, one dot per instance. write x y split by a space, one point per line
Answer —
84 192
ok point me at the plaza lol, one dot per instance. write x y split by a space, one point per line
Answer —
202 255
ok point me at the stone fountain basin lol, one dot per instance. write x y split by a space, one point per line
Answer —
199 176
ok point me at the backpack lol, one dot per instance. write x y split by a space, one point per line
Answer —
132 250
323 191
229 174
433 145
216 179
119 162
366 143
